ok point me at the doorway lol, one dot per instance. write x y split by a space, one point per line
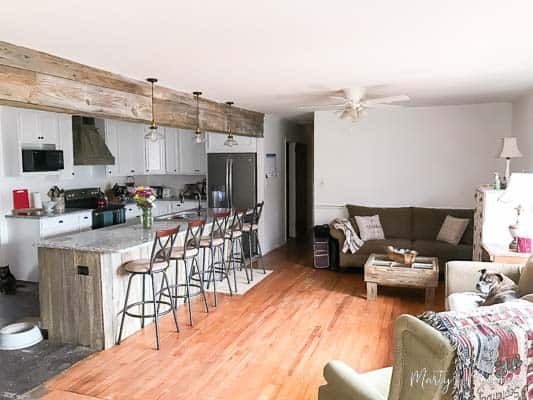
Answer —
297 193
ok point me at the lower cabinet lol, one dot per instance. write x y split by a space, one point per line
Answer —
25 233
132 212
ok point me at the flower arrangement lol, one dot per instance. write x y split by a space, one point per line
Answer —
144 197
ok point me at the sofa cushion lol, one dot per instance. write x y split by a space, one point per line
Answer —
452 229
428 221
369 227
444 251
465 301
396 222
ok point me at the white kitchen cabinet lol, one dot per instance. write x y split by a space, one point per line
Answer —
111 141
130 148
132 211
162 207
38 127
192 155
215 144
65 144
171 151
25 233
154 155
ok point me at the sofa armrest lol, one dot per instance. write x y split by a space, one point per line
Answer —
346 384
337 234
462 276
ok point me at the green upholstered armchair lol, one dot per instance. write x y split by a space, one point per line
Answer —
423 362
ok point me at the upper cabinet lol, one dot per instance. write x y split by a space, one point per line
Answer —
24 128
171 151
38 127
215 144
154 155
192 155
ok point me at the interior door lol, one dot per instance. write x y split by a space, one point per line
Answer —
301 188
243 180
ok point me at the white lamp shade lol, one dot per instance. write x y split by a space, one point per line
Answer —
519 190
510 148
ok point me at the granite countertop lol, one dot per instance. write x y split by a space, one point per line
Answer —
116 238
45 215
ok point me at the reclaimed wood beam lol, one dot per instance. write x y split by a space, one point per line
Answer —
34 79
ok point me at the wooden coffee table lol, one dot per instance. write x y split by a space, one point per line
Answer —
394 274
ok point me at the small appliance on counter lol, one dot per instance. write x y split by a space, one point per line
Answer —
158 191
89 198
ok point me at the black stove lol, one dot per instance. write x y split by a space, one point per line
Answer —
112 214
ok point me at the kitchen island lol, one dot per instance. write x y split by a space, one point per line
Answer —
83 284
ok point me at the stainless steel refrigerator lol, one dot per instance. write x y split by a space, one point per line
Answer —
231 180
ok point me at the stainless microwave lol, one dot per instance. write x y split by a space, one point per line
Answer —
42 160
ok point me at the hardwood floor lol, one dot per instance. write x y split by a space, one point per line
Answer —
271 343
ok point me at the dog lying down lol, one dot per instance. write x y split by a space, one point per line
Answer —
496 288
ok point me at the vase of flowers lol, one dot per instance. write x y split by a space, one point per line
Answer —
145 199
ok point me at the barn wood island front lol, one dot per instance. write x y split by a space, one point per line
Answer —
83 283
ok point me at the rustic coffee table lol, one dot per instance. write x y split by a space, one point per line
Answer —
424 274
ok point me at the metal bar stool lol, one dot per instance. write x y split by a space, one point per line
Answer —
157 264
188 253
236 250
215 244
254 247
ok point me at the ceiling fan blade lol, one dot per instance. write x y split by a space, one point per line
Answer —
337 97
386 100
383 106
319 107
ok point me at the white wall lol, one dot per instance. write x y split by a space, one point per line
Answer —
523 130
419 156
272 190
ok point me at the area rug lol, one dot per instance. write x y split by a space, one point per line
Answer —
242 284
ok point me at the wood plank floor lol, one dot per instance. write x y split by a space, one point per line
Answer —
271 343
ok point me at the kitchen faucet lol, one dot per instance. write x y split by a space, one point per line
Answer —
199 197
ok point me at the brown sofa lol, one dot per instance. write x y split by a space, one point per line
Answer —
413 228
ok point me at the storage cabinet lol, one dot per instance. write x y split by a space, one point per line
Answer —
215 144
38 127
192 155
111 141
22 128
25 233
154 155
171 151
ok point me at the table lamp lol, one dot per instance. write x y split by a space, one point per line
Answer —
509 150
519 192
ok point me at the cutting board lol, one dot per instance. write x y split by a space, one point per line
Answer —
21 199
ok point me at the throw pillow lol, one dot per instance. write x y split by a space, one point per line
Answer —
370 228
452 229
525 283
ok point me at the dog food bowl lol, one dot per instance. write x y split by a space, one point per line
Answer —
19 336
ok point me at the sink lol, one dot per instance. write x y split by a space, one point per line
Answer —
183 215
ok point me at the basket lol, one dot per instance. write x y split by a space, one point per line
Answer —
406 259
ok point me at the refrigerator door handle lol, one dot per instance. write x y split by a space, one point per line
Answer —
227 183
230 191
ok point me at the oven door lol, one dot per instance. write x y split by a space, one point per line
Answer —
103 218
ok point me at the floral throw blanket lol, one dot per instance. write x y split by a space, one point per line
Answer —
494 348
352 241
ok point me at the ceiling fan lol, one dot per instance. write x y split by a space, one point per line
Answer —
352 105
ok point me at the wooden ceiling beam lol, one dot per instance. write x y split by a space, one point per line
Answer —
33 79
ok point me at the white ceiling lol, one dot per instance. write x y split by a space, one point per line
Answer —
272 55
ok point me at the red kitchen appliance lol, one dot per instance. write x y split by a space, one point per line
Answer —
21 199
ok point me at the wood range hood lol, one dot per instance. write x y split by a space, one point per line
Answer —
34 79
88 144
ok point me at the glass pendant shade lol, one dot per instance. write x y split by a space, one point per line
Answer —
230 141
152 134
199 136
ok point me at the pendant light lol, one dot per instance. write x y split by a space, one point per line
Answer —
199 136
152 133
230 140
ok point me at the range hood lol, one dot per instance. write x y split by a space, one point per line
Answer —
89 145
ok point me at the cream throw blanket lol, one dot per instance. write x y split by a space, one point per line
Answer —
352 242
